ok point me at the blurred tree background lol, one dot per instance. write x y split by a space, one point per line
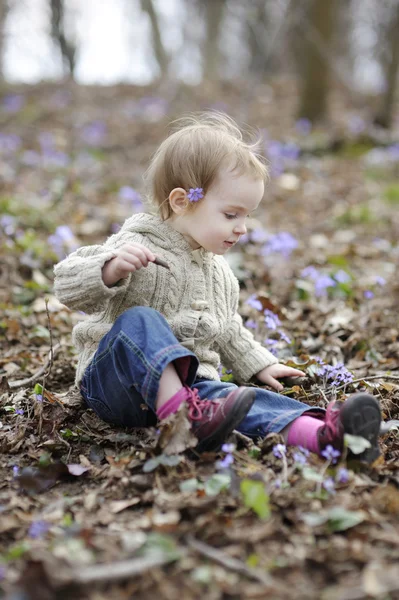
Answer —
352 45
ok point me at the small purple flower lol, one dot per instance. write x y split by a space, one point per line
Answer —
279 450
94 133
271 319
225 462
39 397
379 280
15 470
277 483
304 451
19 411
322 283
38 529
228 448
368 294
129 195
342 475
243 239
254 302
331 453
303 126
284 337
251 324
300 458
13 103
342 276
310 271
8 224
270 342
195 194
356 124
329 485
281 243
259 235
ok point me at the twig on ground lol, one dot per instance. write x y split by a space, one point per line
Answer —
23 382
227 561
123 569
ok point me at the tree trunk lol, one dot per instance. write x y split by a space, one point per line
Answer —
318 31
3 15
384 117
159 50
67 48
213 20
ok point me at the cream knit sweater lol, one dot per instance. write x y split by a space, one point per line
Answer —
198 297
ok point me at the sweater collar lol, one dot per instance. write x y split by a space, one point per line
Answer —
165 236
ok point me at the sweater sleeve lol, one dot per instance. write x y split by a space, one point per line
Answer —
78 279
238 349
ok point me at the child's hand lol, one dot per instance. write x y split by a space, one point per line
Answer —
269 375
130 258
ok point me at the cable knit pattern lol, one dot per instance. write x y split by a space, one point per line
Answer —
198 297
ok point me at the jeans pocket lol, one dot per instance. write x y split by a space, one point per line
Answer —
101 409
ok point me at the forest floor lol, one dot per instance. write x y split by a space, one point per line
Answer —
94 512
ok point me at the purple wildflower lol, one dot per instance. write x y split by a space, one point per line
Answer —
259 235
342 276
13 103
304 451
38 529
368 294
356 124
129 195
379 280
284 337
331 453
62 241
228 448
225 462
277 483
329 485
393 152
303 126
322 283
8 224
336 375
342 475
19 411
9 142
94 133
243 239
251 324
271 319
39 397
281 243
195 194
300 458
15 470
279 450
220 370
254 302
310 271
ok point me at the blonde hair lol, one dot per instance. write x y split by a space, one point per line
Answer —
192 155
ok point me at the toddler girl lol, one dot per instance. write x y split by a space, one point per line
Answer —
163 306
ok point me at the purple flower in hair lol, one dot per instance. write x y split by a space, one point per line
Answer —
195 194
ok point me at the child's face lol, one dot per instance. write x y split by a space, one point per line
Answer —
218 220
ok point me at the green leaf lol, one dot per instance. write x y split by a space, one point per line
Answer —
255 497
190 485
151 464
170 460
218 482
311 475
337 519
356 443
340 519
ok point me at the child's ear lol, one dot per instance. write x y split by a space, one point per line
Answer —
178 200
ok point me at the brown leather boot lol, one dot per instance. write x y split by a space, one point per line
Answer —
359 415
214 420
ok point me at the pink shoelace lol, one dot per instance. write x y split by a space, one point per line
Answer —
197 406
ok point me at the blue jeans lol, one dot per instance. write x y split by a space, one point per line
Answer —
121 382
